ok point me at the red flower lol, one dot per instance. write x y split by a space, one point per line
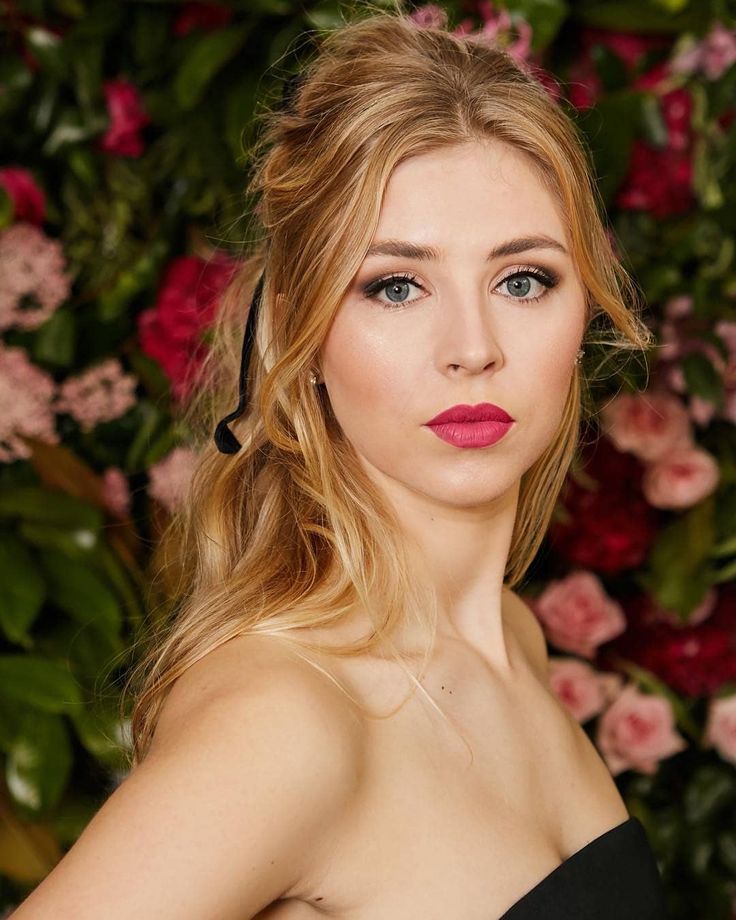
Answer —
29 202
171 330
127 117
205 16
610 527
693 660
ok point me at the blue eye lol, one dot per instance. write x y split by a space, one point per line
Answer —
519 279
397 285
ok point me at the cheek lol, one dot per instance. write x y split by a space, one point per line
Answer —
367 372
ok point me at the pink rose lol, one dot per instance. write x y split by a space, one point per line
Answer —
577 614
680 480
720 726
583 691
127 117
29 202
637 731
648 425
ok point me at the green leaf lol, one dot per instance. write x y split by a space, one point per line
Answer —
544 16
48 49
133 280
702 378
55 339
75 542
39 683
100 732
34 503
610 127
79 591
39 762
711 789
73 126
210 54
22 590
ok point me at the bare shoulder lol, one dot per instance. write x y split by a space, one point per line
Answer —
265 675
529 632
254 761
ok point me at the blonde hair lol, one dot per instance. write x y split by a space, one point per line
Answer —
290 532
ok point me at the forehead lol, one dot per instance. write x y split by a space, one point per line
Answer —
467 196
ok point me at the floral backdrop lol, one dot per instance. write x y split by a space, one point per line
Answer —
123 127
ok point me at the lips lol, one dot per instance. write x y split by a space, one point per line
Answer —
483 412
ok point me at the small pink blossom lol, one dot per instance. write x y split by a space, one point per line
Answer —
26 195
637 731
681 479
578 615
100 394
32 279
713 56
720 726
429 16
649 425
116 491
169 479
701 410
584 691
26 393
679 306
498 30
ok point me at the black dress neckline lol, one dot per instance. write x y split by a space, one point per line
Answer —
615 869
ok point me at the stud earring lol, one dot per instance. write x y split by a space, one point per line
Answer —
579 356
312 377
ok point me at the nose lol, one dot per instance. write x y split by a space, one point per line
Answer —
467 342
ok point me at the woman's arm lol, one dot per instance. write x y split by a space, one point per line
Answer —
223 815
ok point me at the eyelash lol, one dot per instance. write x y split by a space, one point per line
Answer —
548 279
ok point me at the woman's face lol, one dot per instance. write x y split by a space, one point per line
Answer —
458 327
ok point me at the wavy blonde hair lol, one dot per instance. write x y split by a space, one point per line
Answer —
290 532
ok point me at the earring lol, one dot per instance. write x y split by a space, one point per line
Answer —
579 356
312 377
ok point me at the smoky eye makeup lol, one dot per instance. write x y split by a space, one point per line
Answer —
546 277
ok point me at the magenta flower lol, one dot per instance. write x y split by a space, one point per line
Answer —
127 118
29 202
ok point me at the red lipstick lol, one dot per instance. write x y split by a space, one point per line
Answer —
471 426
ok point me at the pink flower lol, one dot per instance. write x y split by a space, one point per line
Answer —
29 202
720 726
577 614
498 30
648 425
637 731
713 56
32 279
127 118
681 479
116 491
679 306
100 394
169 479
26 393
429 16
583 691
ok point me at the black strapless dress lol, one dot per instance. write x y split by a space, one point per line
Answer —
614 877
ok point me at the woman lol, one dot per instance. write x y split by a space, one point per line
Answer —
432 263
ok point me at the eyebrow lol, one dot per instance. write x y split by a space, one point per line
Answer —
513 247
